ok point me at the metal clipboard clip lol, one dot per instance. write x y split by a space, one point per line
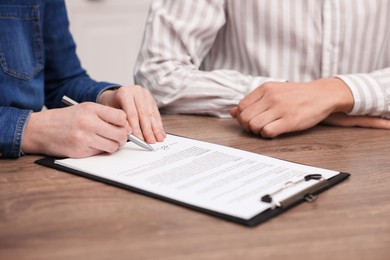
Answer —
306 194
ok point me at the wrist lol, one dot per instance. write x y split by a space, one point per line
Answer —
30 144
339 94
107 97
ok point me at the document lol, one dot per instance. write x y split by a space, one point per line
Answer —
210 176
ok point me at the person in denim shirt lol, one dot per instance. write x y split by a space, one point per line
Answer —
38 67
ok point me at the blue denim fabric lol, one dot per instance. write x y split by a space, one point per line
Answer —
38 65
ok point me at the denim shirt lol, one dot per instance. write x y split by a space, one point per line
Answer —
38 65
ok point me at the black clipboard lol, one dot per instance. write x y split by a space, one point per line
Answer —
258 219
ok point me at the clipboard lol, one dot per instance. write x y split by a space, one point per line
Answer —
307 195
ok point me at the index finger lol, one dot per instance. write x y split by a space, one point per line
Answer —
249 99
109 114
132 117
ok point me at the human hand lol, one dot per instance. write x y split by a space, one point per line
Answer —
78 131
280 107
341 119
141 109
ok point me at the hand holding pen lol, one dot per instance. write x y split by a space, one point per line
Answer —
91 128
76 131
70 102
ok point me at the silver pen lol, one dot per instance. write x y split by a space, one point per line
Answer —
70 102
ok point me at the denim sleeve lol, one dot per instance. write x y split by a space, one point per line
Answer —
12 123
63 72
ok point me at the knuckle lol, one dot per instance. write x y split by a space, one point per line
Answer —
123 135
271 99
131 113
90 106
120 92
113 148
76 137
137 132
268 85
241 106
146 92
254 126
78 151
244 117
82 122
144 114
122 115
137 88
123 142
147 132
268 132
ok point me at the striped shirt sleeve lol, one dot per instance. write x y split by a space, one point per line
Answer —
371 92
179 34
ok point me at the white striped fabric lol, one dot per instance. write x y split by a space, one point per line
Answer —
204 56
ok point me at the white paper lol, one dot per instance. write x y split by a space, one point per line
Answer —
202 174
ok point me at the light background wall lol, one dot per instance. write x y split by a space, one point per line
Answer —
108 34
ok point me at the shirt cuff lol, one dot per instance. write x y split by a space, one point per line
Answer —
12 139
369 95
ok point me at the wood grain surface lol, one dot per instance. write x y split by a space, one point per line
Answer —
48 214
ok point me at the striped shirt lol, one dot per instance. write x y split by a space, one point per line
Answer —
204 56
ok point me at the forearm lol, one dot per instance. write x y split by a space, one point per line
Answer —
63 72
80 88
186 89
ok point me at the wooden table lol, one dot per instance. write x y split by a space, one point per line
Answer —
48 214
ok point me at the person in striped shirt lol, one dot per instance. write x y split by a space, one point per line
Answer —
275 66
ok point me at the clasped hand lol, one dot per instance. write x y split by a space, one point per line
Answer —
280 107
